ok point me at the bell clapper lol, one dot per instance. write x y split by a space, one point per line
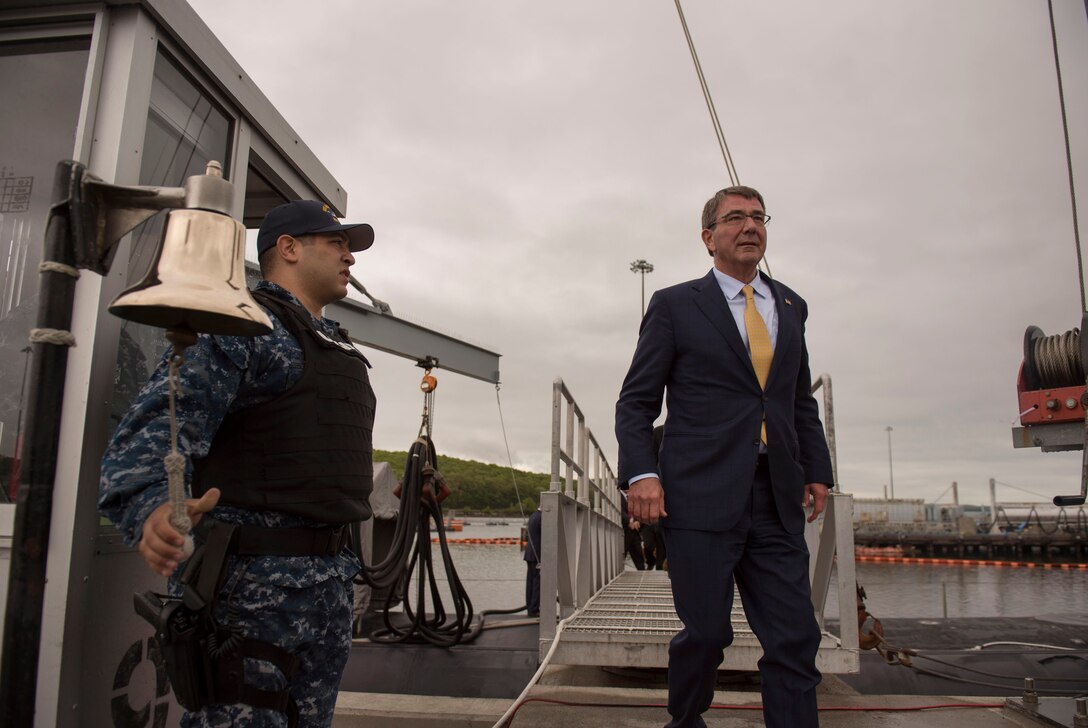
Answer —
181 338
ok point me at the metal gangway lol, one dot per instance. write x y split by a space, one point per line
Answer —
612 617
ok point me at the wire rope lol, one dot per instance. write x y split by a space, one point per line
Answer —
1068 153
1017 487
904 657
730 168
1057 360
718 133
513 473
998 675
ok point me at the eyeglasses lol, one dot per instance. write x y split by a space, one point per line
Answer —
737 218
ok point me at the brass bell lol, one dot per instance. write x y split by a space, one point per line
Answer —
198 280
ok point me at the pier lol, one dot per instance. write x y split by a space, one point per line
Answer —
1063 547
603 650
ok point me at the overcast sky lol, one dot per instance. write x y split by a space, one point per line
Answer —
516 157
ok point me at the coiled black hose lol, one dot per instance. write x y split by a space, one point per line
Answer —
411 553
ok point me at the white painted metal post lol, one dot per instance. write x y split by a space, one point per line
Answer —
847 581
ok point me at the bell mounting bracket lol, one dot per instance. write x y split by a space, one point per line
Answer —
101 213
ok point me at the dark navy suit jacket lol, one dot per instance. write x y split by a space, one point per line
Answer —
691 352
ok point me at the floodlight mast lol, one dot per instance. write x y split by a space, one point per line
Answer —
642 267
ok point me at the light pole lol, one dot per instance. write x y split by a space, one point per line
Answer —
641 266
891 480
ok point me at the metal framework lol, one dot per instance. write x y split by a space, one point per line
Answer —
376 329
629 620
581 531
96 665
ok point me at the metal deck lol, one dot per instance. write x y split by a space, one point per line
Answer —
630 622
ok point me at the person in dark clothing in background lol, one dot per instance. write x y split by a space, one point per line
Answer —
532 566
632 541
653 534
653 545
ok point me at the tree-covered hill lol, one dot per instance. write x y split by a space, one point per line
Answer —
478 487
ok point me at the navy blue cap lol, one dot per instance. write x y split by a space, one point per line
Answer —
304 217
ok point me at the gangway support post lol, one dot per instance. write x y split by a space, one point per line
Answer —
581 531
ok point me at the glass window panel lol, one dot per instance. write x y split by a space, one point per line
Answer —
41 85
185 130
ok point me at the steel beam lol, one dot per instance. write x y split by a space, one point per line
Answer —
372 328
1050 437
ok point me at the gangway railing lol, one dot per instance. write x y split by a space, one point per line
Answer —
830 538
629 621
581 531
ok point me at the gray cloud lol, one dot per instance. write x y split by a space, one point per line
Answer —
516 157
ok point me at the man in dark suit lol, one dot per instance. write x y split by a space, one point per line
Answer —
743 452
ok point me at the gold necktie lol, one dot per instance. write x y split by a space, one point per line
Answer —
759 343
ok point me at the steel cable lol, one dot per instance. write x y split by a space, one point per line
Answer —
1068 155
730 168
1057 360
904 657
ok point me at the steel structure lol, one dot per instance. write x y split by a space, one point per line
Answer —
141 93
627 618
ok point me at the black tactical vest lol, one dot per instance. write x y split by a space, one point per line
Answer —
307 452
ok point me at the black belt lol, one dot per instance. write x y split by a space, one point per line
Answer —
262 541
270 541
206 567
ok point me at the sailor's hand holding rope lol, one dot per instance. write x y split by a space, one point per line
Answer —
161 544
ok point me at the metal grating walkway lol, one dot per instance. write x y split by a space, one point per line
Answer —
630 622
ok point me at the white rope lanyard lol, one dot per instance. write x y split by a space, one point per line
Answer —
174 461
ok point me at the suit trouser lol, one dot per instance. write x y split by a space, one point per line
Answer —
770 568
532 588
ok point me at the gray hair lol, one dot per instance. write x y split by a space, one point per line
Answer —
710 209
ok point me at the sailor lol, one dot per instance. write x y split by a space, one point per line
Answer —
277 430
532 565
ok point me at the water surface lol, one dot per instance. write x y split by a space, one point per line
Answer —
494 577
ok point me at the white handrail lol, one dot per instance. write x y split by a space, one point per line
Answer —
582 534
581 531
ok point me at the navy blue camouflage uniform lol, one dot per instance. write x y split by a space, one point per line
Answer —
301 603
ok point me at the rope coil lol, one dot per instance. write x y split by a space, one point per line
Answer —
1058 359
52 336
51 266
1053 361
